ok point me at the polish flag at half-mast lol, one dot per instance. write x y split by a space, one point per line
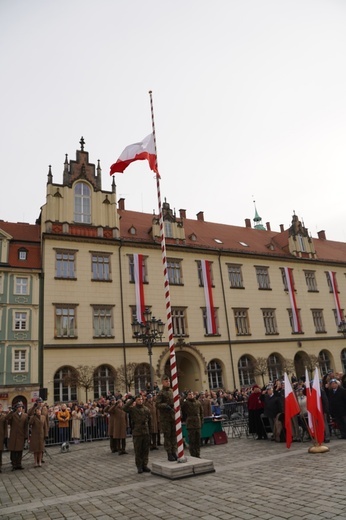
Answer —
145 149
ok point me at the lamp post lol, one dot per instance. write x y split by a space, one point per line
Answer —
149 332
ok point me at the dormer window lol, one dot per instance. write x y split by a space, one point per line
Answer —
301 243
132 230
22 254
168 229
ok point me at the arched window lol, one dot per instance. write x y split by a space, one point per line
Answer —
82 203
245 370
104 381
142 377
215 375
324 360
63 391
343 359
274 367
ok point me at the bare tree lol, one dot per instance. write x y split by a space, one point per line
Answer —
260 367
81 377
312 362
288 366
126 375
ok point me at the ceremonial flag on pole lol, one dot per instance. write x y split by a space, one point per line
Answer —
315 405
139 288
211 323
308 401
291 410
332 278
290 287
137 152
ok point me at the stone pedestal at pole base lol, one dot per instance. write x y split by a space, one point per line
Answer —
318 448
176 470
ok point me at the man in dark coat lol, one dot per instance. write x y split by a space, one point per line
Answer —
3 432
165 405
193 416
18 421
272 405
140 420
337 405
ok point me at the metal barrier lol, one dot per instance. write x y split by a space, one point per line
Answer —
236 423
90 429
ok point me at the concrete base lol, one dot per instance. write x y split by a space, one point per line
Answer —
176 470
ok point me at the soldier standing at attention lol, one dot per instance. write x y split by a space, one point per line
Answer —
165 405
193 414
140 420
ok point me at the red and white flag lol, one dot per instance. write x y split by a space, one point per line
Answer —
290 287
332 278
139 287
308 401
291 410
314 406
137 152
206 277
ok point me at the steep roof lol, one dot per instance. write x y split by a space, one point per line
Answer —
23 236
211 235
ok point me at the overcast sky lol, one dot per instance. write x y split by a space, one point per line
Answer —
249 101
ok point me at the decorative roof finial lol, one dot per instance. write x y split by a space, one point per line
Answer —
82 143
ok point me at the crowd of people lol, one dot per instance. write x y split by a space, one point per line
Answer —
150 414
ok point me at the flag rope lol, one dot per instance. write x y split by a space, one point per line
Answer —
172 356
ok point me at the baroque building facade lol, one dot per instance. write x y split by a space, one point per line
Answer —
239 295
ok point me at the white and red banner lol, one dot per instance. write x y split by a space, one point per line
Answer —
332 278
290 287
308 399
291 410
208 293
314 406
137 152
139 287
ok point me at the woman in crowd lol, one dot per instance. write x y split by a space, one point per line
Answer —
39 431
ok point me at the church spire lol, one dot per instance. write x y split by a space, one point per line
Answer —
258 220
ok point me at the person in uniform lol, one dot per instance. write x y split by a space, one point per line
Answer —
193 415
165 405
39 431
110 411
18 421
3 432
150 404
140 420
120 427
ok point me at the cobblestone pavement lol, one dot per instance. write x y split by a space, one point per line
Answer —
253 480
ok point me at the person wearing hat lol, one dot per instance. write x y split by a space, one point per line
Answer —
165 405
337 405
192 412
39 431
18 421
3 431
150 404
255 408
140 420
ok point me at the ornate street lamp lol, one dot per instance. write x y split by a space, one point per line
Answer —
342 327
148 332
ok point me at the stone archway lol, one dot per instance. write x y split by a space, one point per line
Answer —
301 360
191 368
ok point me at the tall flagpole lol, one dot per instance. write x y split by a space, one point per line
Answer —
172 357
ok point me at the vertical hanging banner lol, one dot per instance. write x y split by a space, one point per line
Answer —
332 278
208 293
290 287
139 287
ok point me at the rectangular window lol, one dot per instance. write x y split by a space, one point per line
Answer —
317 316
235 276
290 316
269 320
284 278
262 275
22 254
132 269
20 320
100 265
200 273
65 264
19 363
174 271
21 285
168 227
179 321
205 322
65 321
241 320
1 284
103 321
310 278
335 314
